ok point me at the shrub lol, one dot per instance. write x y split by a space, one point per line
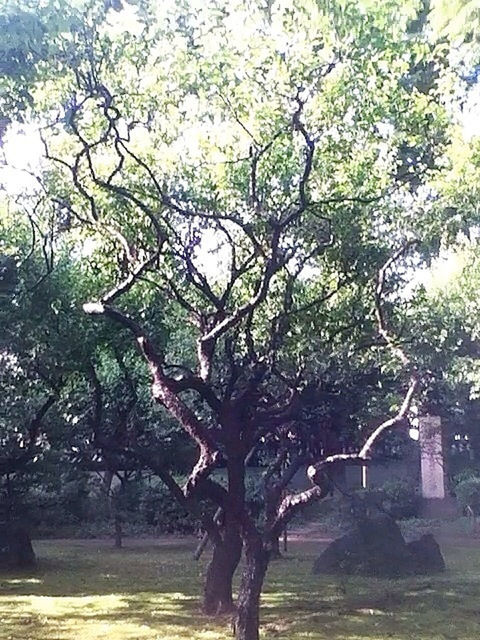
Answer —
467 492
465 474
158 508
400 498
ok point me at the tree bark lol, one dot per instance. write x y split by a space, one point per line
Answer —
227 551
256 564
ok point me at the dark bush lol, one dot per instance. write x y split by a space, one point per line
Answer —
158 508
467 492
400 499
397 498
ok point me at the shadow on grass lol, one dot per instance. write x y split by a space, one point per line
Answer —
442 607
91 592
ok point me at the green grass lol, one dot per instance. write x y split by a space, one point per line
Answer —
89 591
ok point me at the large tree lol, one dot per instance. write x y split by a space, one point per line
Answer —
257 183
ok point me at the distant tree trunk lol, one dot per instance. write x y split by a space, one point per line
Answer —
256 564
274 550
117 503
111 507
206 537
227 551
9 501
118 531
106 490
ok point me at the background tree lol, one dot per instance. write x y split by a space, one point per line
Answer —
70 389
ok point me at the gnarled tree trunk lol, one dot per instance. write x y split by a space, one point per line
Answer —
256 564
227 551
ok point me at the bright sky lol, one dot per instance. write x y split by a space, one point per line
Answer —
470 117
443 270
19 159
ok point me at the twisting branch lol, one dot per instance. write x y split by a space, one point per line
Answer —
272 266
36 422
398 418
195 383
256 154
131 279
309 153
318 473
12 464
162 392
379 311
299 126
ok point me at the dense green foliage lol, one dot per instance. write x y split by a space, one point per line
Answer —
467 491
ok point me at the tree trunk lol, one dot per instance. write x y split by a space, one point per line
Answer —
118 531
218 581
107 491
274 549
9 501
256 564
272 499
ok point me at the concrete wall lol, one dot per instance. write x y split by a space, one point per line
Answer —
378 473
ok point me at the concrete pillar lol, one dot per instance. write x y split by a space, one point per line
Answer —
436 502
431 457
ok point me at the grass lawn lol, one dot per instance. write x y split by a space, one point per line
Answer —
87 590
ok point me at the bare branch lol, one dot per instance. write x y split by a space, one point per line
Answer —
317 473
379 312
11 464
130 280
398 418
162 393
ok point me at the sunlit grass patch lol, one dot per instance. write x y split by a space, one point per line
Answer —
90 591
23 581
